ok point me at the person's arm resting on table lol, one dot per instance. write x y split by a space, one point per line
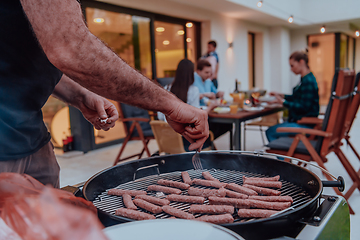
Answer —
69 45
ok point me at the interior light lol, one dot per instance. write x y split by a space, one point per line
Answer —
156 50
160 29
259 4
322 29
166 42
189 24
99 20
181 32
291 19
188 40
357 33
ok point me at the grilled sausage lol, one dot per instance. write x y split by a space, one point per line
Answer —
185 198
208 183
120 192
238 203
261 183
128 202
265 191
163 189
275 178
154 200
174 184
186 178
177 213
233 194
133 214
211 209
241 189
207 192
208 176
147 206
256 213
273 198
216 219
268 205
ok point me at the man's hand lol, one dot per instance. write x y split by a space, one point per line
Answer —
99 111
220 94
209 95
190 122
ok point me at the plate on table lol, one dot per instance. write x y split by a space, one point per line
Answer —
260 108
221 109
267 98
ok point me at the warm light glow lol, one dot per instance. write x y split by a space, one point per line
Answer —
181 32
259 4
166 42
160 29
291 19
357 33
322 29
189 24
156 50
99 20
188 40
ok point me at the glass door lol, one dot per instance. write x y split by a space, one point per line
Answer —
169 47
129 37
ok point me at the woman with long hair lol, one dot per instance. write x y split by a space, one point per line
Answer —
183 88
304 101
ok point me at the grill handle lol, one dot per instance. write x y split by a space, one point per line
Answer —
340 183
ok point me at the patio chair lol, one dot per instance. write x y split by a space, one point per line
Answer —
328 139
351 114
169 141
137 127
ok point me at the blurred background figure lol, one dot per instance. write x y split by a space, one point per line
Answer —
212 57
304 101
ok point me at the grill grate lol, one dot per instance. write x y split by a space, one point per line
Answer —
109 204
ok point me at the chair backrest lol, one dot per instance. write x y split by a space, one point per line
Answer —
127 111
341 92
354 106
167 139
165 81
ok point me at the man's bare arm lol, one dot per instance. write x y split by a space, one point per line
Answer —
69 45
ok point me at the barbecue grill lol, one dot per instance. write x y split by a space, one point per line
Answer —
310 208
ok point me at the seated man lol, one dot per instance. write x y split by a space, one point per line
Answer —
208 91
205 85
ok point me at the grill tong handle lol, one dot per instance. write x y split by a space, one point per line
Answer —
340 183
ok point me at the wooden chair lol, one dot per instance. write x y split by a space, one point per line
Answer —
329 137
266 121
351 114
137 127
169 141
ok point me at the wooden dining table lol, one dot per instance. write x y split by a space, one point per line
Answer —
239 117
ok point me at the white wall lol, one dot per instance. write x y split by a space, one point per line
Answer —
279 55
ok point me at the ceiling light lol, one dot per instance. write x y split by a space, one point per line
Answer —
259 4
99 20
160 29
291 19
188 40
322 29
189 24
166 42
357 33
181 32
